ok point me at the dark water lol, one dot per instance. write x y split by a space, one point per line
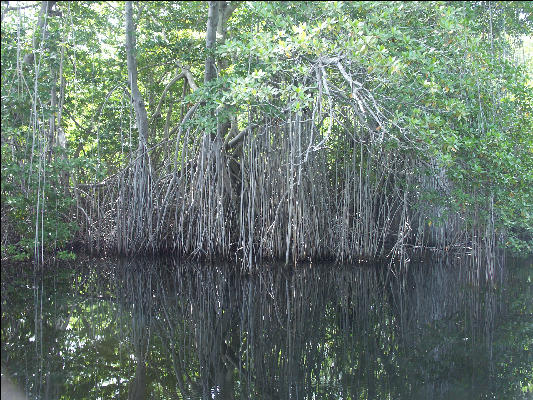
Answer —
165 330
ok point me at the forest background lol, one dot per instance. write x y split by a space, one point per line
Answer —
259 130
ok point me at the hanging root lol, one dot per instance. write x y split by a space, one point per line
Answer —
334 180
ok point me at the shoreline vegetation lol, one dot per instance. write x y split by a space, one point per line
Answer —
267 131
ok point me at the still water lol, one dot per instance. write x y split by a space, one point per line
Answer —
162 329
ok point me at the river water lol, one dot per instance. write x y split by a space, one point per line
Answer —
163 329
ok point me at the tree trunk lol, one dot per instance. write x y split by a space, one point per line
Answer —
226 8
137 390
61 138
210 41
138 103
52 119
139 215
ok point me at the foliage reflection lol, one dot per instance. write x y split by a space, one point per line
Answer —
168 330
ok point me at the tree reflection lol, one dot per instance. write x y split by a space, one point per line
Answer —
168 330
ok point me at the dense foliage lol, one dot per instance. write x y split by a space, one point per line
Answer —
301 130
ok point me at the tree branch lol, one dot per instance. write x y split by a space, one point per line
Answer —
237 139
188 75
158 108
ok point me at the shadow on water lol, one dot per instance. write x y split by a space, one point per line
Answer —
161 329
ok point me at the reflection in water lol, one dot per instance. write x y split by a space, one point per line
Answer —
167 330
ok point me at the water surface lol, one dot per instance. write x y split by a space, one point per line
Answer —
161 329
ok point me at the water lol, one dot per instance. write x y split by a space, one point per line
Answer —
167 330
